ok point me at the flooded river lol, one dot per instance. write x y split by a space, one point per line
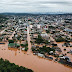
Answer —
31 61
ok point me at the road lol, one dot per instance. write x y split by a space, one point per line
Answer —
28 39
2 31
13 33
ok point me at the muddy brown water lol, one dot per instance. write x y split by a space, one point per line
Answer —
27 59
67 49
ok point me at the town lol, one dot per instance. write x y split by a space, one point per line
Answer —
39 36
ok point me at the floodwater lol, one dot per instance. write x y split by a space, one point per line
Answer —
67 49
27 59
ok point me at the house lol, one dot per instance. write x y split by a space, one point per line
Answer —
50 58
39 26
51 52
31 26
35 35
2 43
70 51
44 34
23 49
13 45
65 58
54 44
41 55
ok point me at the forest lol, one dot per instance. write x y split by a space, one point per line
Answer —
6 66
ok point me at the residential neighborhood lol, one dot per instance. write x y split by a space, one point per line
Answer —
45 37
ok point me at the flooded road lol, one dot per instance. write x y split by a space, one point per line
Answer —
29 60
2 31
28 39
13 33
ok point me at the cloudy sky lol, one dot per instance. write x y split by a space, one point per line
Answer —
33 6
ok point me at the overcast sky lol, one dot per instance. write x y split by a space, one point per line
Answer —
33 6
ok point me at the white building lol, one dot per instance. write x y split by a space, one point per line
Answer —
30 26
38 26
41 55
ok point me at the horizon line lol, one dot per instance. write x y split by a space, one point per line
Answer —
36 13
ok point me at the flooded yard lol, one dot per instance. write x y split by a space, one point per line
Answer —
67 49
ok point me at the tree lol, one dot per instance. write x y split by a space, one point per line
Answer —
6 66
11 41
39 39
26 49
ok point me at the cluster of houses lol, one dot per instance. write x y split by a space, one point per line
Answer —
49 29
